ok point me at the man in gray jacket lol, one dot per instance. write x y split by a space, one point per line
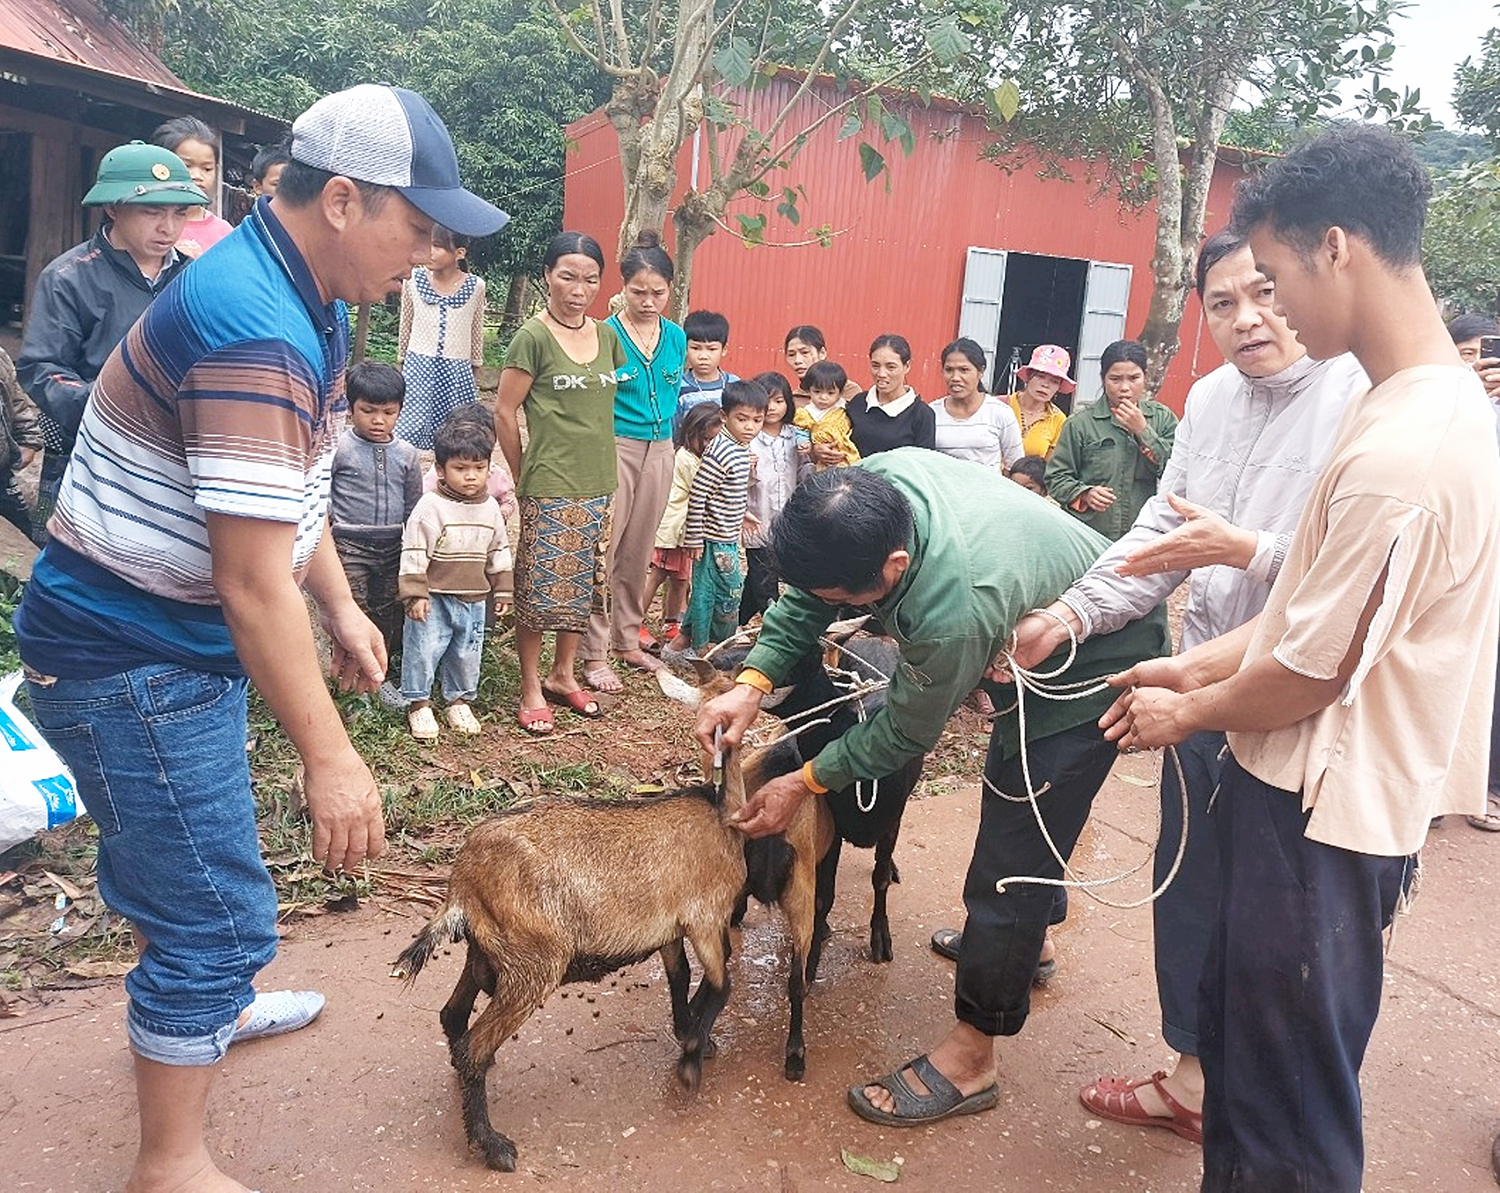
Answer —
1254 436
89 297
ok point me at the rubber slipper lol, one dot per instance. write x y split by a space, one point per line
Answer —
942 1099
649 644
1490 821
1114 1098
581 701
278 1012
603 679
947 941
535 721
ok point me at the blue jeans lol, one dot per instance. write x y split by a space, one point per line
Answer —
449 645
158 755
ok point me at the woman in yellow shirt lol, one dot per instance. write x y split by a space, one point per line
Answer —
1042 380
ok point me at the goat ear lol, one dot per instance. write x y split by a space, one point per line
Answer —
706 672
842 631
678 689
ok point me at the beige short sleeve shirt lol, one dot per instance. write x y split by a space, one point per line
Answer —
1407 510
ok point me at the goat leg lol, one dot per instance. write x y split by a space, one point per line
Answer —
881 878
708 1000
674 961
477 975
827 875
799 902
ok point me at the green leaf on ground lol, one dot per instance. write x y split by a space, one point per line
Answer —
881 1170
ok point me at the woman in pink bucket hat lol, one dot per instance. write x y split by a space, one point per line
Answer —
1041 380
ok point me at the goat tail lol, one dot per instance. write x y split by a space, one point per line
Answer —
447 927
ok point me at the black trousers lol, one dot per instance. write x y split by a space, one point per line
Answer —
1289 996
761 583
1002 939
1184 915
373 570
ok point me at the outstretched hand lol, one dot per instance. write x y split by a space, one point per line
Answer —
358 659
1204 538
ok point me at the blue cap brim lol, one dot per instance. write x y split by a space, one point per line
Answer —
456 209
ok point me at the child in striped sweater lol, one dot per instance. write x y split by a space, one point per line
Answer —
717 502
454 553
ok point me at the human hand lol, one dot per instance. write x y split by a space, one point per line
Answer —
344 802
695 553
1489 376
1130 416
754 465
1204 538
752 525
771 809
1146 719
418 609
1035 637
1100 497
827 453
27 455
357 659
733 713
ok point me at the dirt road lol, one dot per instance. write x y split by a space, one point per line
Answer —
365 1100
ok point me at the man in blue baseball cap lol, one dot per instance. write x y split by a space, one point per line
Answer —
190 522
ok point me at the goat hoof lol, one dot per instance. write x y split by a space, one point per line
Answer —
895 873
796 1067
500 1154
710 1048
690 1072
880 949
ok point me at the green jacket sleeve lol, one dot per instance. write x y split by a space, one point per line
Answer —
930 682
791 628
1161 429
1064 480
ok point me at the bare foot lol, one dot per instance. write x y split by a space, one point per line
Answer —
639 658
966 1057
197 1174
1185 1083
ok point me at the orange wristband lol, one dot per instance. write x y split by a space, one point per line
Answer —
812 783
753 678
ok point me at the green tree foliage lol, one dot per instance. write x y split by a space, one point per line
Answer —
495 70
1476 88
1461 246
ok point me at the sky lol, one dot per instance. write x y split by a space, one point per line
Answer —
1432 38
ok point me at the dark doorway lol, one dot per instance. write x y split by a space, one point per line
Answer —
15 218
1042 304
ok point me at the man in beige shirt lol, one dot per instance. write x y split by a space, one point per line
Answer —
1357 703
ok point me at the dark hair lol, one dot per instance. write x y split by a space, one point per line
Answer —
646 253
1470 327
1121 351
462 440
473 412
895 343
775 384
809 335
825 374
449 239
269 156
694 426
1221 244
301 184
172 133
968 349
566 244
370 381
837 530
706 327
1359 177
743 393
1034 467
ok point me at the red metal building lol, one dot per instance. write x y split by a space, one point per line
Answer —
954 245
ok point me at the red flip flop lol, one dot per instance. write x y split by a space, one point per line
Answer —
581 701
535 721
1114 1098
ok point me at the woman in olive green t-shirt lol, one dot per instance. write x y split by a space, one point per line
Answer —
562 367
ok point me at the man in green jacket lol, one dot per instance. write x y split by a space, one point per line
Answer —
1111 454
897 534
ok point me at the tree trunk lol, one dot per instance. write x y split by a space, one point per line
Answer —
515 303
692 224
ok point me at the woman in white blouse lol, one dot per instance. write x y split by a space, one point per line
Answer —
971 424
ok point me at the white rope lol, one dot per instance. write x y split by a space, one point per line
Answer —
1034 681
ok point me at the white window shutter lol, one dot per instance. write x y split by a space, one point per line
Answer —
979 312
1106 296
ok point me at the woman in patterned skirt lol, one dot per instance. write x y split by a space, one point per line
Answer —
441 340
562 367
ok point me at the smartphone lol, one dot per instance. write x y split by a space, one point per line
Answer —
1489 347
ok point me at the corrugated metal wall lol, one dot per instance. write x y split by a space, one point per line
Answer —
897 260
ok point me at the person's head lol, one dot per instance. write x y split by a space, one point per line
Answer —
744 404
963 367
1122 366
372 171
778 397
1467 330
824 383
375 392
1046 374
573 267
647 272
844 536
698 427
146 193
1239 307
890 359
473 412
803 346
198 147
463 449
266 167
1334 225
707 336
449 249
1030 472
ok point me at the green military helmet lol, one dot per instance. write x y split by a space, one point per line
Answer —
141 173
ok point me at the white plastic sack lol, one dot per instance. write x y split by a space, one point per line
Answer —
36 790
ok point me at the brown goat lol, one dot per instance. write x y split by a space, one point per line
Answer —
568 890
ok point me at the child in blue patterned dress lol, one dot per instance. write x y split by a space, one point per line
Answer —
441 340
